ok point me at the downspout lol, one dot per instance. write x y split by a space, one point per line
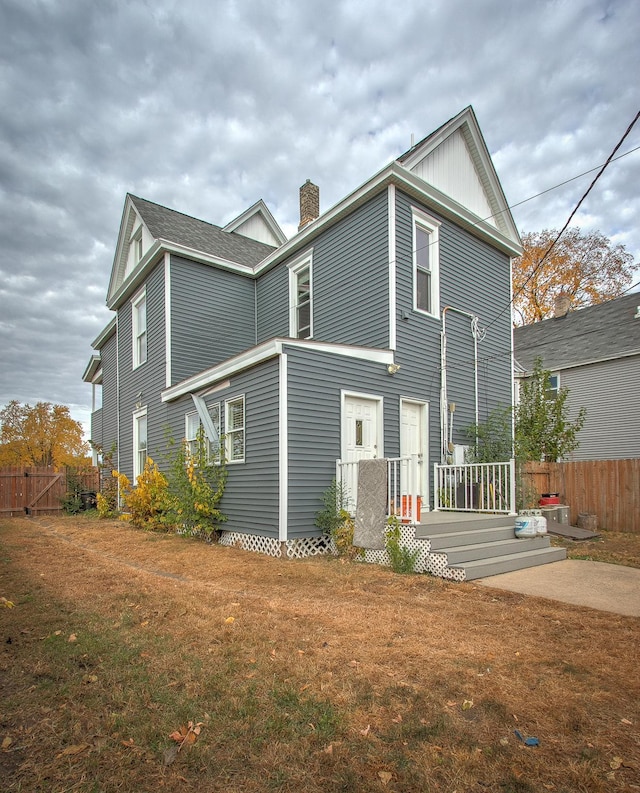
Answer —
446 432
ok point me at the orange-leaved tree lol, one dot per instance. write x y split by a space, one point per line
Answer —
40 435
586 266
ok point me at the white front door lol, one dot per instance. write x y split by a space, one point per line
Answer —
360 430
361 438
414 443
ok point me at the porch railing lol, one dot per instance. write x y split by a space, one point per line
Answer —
475 487
404 497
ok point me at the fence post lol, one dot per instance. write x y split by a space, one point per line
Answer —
512 488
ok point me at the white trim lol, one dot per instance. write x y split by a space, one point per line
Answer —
344 394
167 319
137 415
136 300
104 334
295 267
391 209
283 451
264 351
430 226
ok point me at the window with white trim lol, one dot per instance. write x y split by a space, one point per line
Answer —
234 429
552 387
426 281
136 242
139 328
193 425
300 299
139 441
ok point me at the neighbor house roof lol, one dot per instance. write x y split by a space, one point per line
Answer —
167 224
597 333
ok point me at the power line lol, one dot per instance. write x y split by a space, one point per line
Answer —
564 228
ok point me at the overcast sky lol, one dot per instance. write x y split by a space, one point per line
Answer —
206 106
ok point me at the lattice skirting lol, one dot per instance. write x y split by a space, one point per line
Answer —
433 563
294 549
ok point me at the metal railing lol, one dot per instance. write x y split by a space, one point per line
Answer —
404 477
475 487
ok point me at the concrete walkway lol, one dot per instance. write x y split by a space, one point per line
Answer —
607 587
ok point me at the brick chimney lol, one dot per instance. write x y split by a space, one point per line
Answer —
309 203
561 304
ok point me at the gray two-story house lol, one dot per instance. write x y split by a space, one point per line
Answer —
380 329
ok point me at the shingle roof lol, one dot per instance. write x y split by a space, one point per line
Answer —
607 330
182 229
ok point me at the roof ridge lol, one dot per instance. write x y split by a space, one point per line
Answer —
175 211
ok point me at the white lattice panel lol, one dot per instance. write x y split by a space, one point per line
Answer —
408 539
251 542
308 546
437 565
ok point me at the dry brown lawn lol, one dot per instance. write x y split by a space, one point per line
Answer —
312 675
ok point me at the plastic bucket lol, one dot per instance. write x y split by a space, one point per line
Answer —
526 526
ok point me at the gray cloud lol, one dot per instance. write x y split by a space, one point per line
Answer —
206 107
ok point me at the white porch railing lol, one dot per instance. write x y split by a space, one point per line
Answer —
475 487
404 477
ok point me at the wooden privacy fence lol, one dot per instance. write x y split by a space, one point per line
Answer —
608 488
34 491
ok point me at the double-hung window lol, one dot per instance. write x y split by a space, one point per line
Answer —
234 429
139 328
139 441
426 281
552 387
301 299
193 425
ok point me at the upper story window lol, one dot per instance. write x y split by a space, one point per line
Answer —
301 299
426 276
139 329
234 429
136 242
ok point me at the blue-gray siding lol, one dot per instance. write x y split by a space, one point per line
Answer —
143 384
212 316
251 495
350 283
474 277
106 424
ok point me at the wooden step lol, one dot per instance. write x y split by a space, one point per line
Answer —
448 523
473 537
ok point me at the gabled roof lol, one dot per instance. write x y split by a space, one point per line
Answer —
257 222
184 231
455 159
597 333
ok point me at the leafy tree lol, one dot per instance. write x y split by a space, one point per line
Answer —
587 267
41 435
543 430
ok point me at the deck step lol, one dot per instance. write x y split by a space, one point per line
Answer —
472 537
490 550
448 524
483 568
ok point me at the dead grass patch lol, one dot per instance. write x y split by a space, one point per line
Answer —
613 547
331 676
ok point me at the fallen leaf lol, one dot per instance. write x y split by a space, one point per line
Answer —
328 749
6 743
451 704
385 777
72 750
504 742
353 663
72 638
616 763
467 704
57 633
366 730
170 754
90 679
128 742
230 620
8 604
625 721
144 623
273 653
398 719
300 652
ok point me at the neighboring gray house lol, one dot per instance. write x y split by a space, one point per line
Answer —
595 353
322 347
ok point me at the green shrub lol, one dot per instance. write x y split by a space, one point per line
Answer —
401 559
